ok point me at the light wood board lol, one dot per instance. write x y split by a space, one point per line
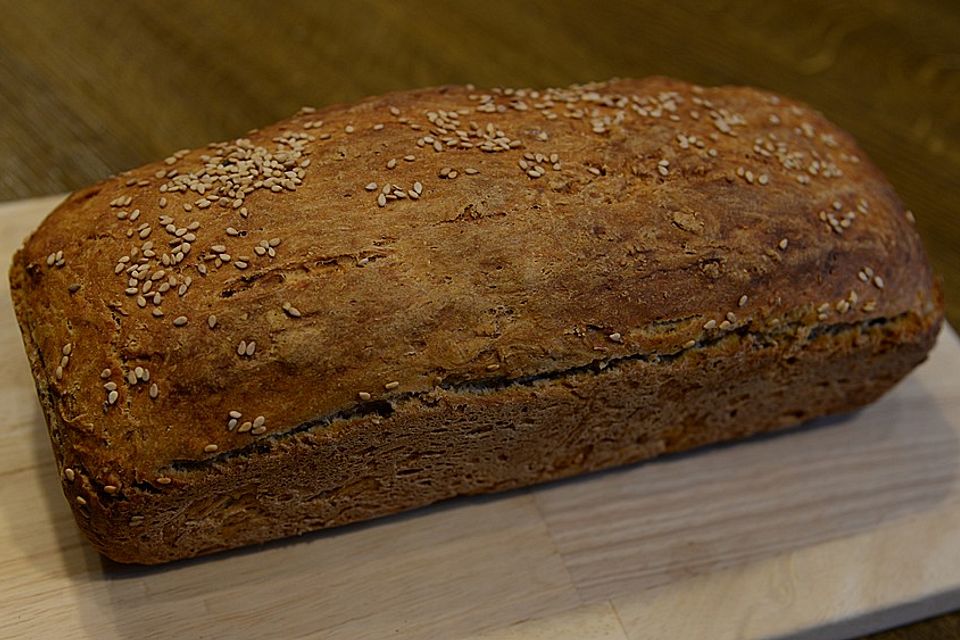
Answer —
838 529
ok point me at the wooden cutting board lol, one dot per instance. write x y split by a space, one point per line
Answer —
834 530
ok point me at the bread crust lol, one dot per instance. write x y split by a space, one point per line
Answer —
492 328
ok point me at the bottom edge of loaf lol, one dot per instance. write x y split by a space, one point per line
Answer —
461 443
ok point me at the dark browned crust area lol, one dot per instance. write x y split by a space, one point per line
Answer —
609 311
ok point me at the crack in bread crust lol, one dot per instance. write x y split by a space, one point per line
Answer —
385 408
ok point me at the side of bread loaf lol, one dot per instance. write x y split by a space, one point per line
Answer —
369 308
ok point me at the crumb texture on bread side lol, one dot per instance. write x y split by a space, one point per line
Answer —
335 265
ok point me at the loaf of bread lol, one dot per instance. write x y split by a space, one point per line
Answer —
369 308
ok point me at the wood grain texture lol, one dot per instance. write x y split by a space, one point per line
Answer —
841 528
87 89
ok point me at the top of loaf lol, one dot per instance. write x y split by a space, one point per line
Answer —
366 254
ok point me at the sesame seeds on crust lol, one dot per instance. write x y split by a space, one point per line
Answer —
209 218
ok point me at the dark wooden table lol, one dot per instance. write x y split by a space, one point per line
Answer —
91 88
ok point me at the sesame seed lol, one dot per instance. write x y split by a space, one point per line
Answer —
256 431
242 348
349 128
246 426
251 347
391 385
179 321
163 480
363 395
391 163
67 349
493 367
689 344
154 391
371 186
109 488
58 372
878 281
81 501
725 325
291 310
783 244
69 474
710 324
211 321
616 337
105 374
742 301
112 397
381 200
258 421
470 171
210 448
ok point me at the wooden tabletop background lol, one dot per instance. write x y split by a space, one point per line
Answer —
89 89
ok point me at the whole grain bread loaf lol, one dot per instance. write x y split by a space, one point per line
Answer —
368 308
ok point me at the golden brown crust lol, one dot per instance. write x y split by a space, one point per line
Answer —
671 217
